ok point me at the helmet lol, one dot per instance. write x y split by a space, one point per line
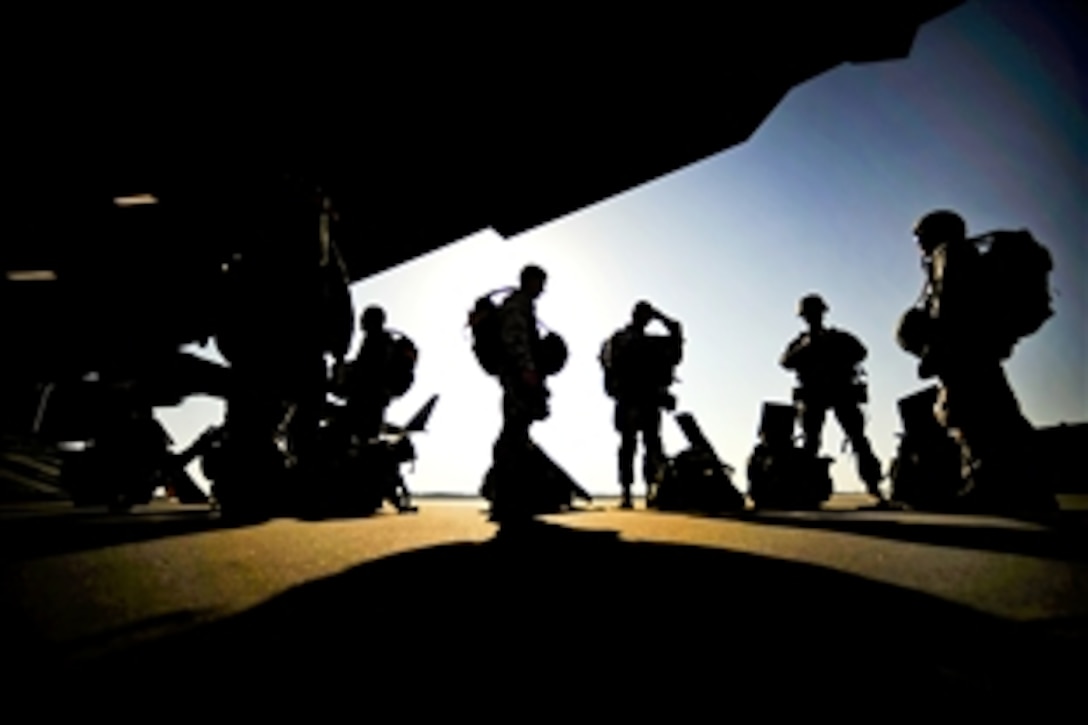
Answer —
532 272
552 354
914 331
936 227
643 311
373 318
811 303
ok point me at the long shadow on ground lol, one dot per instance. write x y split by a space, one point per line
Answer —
31 537
1062 539
552 616
87 529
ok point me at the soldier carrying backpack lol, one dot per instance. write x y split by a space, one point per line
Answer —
384 369
982 295
508 346
638 370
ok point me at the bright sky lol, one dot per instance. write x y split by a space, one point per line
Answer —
987 117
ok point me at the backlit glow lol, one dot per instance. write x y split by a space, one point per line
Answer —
32 275
135 200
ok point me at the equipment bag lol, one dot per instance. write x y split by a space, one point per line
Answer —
483 321
1017 281
611 388
639 363
402 364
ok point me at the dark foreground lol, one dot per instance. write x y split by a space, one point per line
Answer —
602 609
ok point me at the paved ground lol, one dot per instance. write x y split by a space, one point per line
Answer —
648 608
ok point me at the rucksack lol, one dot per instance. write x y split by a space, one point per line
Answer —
393 370
483 321
695 480
605 357
401 372
1015 289
1016 282
649 360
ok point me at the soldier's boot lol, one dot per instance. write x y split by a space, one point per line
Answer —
404 503
869 470
625 502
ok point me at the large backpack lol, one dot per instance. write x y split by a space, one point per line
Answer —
649 360
608 349
402 364
483 321
1015 286
549 350
394 372
1016 272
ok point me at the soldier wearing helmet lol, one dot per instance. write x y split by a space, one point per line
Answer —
957 341
638 372
827 362
363 382
953 301
524 400
939 227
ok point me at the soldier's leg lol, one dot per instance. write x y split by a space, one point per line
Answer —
628 443
812 415
513 438
996 439
852 421
508 499
653 457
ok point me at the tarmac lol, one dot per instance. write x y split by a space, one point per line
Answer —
595 609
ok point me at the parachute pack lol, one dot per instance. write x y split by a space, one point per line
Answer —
395 372
1017 278
483 321
605 357
641 362
402 364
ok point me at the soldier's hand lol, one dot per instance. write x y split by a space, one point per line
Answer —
530 378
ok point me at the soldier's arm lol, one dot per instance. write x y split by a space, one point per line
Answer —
676 334
793 352
674 327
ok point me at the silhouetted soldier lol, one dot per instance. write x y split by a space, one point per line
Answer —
382 370
826 361
962 340
525 397
638 372
371 381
